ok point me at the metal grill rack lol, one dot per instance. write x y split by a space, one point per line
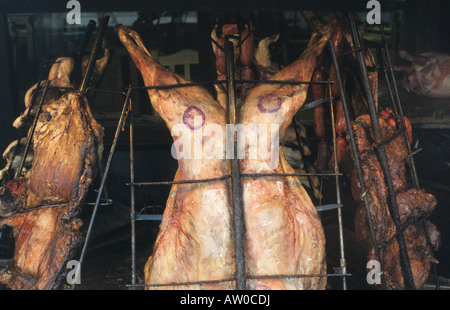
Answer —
386 67
235 177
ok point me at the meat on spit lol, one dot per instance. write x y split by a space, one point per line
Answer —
284 234
413 204
67 145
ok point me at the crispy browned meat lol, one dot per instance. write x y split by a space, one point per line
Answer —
419 253
67 145
413 204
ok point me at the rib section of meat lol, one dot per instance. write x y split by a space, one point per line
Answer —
67 146
284 235
414 205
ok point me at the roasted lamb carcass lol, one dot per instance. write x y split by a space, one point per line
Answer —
283 231
67 146
413 204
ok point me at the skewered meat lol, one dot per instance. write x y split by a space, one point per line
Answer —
413 204
419 253
195 239
67 146
427 74
279 210
13 155
284 234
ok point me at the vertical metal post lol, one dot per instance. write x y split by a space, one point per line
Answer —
93 56
238 210
33 128
338 192
105 174
381 152
354 153
132 206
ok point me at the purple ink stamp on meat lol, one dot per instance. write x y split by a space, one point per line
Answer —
194 118
269 103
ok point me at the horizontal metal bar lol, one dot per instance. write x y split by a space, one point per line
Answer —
90 89
328 207
313 104
246 175
106 91
4 262
178 182
171 86
34 209
147 217
158 217
105 202
286 82
182 283
256 175
299 276
248 277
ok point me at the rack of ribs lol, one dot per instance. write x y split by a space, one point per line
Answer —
284 235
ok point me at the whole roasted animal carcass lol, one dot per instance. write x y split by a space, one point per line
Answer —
414 205
42 206
284 235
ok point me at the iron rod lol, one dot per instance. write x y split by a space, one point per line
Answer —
244 175
382 158
86 37
93 56
342 261
351 136
132 204
236 193
33 128
105 174
249 277
277 82
284 82
38 87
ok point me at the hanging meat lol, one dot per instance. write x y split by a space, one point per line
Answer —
195 242
67 145
427 74
243 42
283 231
413 204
